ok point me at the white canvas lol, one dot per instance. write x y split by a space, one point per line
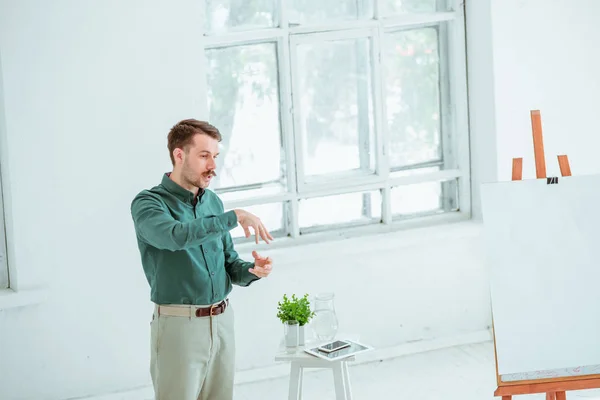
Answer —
543 250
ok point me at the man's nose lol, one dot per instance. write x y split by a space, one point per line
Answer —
211 163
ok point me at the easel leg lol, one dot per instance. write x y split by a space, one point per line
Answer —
538 144
550 396
506 397
563 163
561 396
517 169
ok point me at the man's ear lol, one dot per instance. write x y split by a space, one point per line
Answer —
178 155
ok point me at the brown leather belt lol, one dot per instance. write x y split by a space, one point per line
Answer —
190 311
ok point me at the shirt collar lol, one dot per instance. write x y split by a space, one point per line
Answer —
182 194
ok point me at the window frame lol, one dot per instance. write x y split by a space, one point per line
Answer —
453 101
347 178
4 271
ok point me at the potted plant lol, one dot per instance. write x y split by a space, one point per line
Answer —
295 309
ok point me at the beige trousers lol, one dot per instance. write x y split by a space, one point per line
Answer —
193 358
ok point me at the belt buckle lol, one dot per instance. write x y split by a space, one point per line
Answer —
213 307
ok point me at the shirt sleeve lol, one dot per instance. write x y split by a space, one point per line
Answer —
155 225
236 268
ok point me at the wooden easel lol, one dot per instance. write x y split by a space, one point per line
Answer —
538 152
555 388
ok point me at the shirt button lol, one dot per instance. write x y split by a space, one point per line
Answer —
212 273
205 250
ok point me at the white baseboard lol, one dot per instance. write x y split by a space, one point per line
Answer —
282 370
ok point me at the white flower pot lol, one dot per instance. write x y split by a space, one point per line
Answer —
291 335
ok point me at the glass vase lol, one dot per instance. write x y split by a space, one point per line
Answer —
325 322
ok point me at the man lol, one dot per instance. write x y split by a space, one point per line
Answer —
189 261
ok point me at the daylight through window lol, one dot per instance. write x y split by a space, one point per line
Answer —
339 114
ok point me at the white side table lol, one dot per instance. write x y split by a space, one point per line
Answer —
300 360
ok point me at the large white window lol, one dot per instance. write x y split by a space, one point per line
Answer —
339 114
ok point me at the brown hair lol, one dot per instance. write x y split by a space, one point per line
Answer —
182 134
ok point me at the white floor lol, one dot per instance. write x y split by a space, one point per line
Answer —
461 373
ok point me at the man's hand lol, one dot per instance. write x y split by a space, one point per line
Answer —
262 266
248 220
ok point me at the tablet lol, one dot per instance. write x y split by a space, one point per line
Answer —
352 348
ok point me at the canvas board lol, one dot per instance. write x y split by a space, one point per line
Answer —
542 247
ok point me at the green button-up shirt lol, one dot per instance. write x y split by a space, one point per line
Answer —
185 245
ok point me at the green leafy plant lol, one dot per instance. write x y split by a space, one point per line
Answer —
294 309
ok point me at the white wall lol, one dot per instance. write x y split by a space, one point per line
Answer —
482 112
90 92
545 58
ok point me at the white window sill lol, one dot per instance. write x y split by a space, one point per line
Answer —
313 247
414 232
10 298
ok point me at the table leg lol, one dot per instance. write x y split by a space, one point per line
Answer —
347 380
300 383
338 380
295 381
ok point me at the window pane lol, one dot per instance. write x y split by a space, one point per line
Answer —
225 15
350 208
391 7
413 172
234 194
243 101
271 216
335 111
316 11
413 96
424 198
